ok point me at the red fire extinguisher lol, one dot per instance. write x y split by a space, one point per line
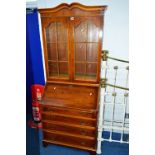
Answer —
37 92
36 111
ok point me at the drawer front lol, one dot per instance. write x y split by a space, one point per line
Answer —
71 96
69 139
83 113
67 119
69 129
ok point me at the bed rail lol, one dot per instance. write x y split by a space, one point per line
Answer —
111 127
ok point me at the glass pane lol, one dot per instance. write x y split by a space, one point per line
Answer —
61 32
51 49
92 32
62 50
85 71
81 32
57 50
53 68
91 70
80 69
80 52
86 50
63 69
51 33
92 52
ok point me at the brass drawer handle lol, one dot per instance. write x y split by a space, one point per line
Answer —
82 123
65 128
65 118
71 18
90 94
83 132
83 112
83 143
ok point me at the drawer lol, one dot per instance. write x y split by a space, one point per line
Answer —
69 119
69 139
71 96
83 113
73 129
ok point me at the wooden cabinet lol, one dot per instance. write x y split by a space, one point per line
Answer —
72 41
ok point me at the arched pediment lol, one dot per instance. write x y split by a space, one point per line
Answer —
65 9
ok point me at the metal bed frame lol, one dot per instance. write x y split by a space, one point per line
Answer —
104 84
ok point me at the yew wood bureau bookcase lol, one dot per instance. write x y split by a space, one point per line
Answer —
72 42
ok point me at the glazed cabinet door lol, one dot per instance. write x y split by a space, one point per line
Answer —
55 34
87 48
